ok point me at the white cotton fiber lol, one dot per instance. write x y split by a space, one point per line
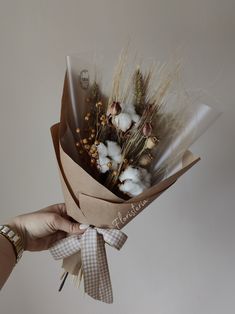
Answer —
134 180
122 121
117 158
128 108
103 164
102 150
110 153
113 149
131 188
135 117
130 173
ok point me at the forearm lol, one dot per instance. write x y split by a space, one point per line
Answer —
7 259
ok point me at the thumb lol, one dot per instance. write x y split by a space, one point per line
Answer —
63 224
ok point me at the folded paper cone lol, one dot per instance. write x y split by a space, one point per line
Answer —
89 202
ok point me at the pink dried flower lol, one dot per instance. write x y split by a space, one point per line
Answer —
147 129
115 108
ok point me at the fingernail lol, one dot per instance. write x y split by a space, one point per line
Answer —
83 226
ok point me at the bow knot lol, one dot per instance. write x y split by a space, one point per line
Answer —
97 281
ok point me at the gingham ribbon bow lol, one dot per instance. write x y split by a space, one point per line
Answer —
97 281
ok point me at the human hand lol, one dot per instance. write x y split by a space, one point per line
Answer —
40 229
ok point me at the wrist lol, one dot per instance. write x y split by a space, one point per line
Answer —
16 226
14 238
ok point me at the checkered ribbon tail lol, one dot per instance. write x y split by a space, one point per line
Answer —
97 282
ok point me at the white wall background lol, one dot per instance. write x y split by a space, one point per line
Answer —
179 258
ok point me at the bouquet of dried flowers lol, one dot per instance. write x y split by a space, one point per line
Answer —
118 149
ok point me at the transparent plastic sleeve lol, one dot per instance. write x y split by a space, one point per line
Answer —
194 115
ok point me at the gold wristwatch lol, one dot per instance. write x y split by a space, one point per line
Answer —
15 240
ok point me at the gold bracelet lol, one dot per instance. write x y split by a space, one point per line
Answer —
15 240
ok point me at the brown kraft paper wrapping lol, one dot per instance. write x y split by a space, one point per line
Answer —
89 202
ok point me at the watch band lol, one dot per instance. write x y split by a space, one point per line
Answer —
15 240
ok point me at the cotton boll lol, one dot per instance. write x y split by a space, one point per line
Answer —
113 149
134 180
117 158
103 164
130 173
135 118
128 108
104 168
131 188
128 115
122 121
103 160
137 189
102 150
